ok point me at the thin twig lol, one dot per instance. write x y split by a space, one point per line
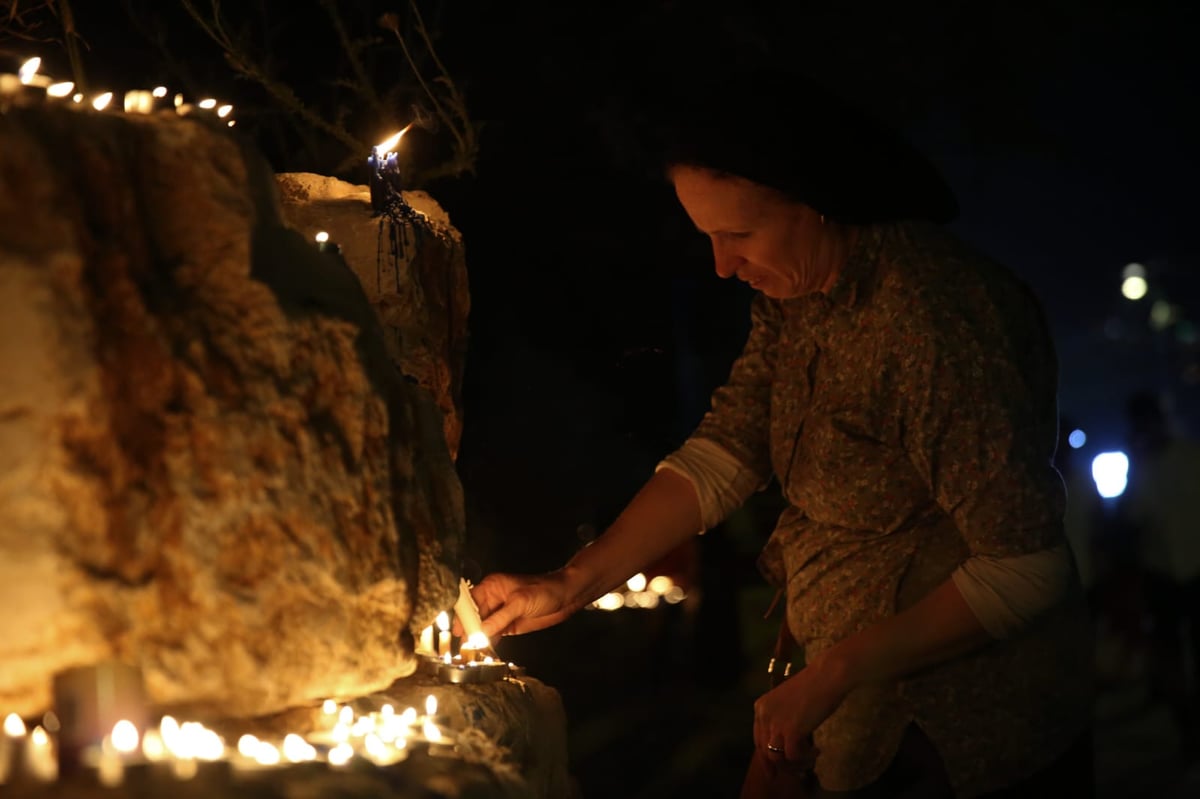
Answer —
365 86
251 69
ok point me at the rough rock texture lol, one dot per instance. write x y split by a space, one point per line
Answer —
420 293
209 466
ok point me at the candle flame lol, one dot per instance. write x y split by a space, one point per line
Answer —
443 621
208 103
322 237
431 705
62 89
29 69
478 641
298 750
39 737
431 731
637 582
266 754
159 91
389 144
125 736
340 755
14 727
77 97
139 102
329 707
224 111
101 102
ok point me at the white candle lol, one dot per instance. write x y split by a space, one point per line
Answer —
39 756
12 747
467 611
425 645
443 623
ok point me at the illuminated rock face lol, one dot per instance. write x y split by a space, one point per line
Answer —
209 465
419 291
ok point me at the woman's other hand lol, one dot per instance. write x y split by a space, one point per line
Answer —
785 716
511 604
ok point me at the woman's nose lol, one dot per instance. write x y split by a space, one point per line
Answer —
726 263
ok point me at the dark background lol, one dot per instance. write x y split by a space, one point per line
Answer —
1066 128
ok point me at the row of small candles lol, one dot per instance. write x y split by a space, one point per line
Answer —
177 750
29 82
382 162
640 592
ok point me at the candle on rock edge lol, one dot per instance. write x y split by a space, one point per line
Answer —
385 172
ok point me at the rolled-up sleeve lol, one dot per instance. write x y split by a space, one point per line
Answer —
739 418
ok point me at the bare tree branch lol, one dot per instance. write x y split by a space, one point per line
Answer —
235 54
364 86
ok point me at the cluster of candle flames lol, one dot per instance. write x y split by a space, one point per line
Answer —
141 101
642 593
382 737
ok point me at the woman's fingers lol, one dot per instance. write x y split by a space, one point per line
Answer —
492 592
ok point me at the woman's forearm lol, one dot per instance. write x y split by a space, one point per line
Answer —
938 627
660 517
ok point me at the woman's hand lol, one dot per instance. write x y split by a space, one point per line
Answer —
785 716
510 604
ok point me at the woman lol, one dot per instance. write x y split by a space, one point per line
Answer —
901 388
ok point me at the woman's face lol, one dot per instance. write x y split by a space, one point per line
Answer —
758 235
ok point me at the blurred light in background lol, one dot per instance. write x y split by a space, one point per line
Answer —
1162 315
1110 470
1077 439
1133 282
1134 288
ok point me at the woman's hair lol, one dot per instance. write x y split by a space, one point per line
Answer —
780 130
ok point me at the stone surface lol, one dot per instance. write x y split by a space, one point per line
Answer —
419 291
209 466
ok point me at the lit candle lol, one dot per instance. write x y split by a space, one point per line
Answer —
474 647
425 645
139 102
325 245
384 172
39 756
443 624
12 748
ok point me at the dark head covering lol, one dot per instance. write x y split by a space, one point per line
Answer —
781 130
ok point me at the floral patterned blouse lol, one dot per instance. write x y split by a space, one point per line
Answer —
910 418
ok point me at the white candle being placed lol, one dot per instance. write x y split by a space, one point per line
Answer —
467 611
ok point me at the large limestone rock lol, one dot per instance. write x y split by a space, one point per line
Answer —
209 466
416 281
